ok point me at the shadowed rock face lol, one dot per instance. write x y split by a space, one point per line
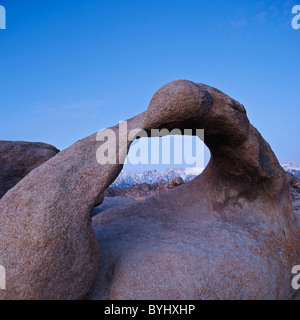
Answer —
18 158
229 234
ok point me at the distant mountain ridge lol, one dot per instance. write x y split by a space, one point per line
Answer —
293 168
127 180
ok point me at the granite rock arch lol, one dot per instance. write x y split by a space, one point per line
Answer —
229 234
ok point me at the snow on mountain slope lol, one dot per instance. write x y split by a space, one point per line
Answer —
293 168
126 180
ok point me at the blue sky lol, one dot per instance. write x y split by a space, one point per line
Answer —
69 68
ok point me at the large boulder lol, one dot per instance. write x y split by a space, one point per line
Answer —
175 182
229 234
18 158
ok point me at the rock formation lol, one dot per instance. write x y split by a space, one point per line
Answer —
144 190
119 196
229 234
17 159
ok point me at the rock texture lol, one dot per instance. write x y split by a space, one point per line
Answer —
231 233
18 158
119 196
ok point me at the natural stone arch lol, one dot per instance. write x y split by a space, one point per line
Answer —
240 205
242 229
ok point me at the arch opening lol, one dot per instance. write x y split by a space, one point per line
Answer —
155 165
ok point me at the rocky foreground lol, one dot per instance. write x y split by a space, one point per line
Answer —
115 196
231 233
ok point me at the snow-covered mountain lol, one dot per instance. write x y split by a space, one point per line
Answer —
293 168
126 180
